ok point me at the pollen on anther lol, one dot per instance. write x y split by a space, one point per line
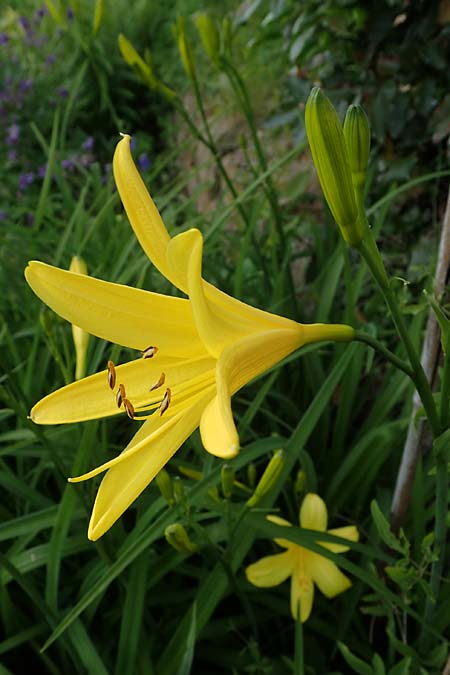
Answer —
149 352
165 402
120 395
159 382
111 375
129 408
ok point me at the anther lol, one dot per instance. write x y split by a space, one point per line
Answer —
159 383
129 408
120 395
165 402
149 352
111 375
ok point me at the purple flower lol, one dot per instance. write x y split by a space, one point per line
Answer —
133 143
88 144
3 215
23 21
4 38
25 179
13 134
40 13
26 84
144 161
42 170
63 92
12 156
69 13
51 58
68 164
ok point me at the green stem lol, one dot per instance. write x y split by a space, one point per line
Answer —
369 251
445 393
360 336
299 665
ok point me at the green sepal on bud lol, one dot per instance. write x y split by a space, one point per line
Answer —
165 485
330 155
227 476
178 538
143 68
209 35
80 337
357 139
269 477
184 47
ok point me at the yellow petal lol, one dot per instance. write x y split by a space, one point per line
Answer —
285 543
120 314
91 398
270 571
238 364
348 532
328 577
302 593
313 513
141 211
124 483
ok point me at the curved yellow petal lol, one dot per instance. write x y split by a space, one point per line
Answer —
328 576
302 593
92 398
123 483
271 571
348 532
285 543
239 363
313 513
120 314
141 211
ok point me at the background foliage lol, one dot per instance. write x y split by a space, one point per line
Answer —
130 603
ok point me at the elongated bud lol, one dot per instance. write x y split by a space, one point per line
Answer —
56 13
165 485
98 16
177 537
213 492
357 139
178 489
329 151
251 475
80 337
209 35
227 476
187 57
300 482
143 68
270 475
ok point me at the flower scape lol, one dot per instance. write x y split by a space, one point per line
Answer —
195 353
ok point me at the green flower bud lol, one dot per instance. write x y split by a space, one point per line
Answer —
251 475
187 57
80 337
143 68
270 475
209 35
213 492
177 537
300 482
178 489
98 16
227 476
165 485
357 139
329 151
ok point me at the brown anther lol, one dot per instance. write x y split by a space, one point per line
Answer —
159 383
120 395
149 352
129 408
111 375
165 402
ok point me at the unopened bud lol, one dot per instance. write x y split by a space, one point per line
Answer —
177 537
187 57
178 489
357 139
98 16
227 476
143 68
251 475
329 151
300 482
209 35
269 477
165 485
80 337
213 492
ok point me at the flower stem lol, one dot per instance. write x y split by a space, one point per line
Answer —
360 336
299 665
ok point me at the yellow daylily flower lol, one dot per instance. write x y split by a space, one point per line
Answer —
305 567
203 349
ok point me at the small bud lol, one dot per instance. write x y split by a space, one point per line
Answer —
80 337
209 35
98 16
187 57
227 476
270 475
330 155
143 68
251 475
357 139
178 489
213 493
300 482
165 485
177 537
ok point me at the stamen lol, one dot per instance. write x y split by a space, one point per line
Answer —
111 375
159 383
129 408
120 395
165 402
149 352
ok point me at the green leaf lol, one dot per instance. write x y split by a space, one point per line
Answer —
353 661
384 530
